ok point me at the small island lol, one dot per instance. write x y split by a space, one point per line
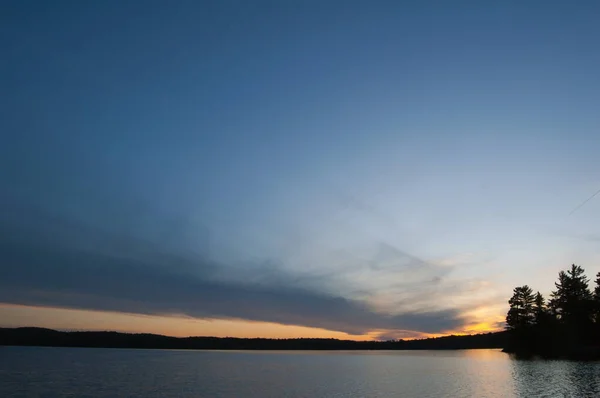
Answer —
565 327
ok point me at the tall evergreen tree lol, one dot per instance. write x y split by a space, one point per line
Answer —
570 300
521 313
597 300
559 296
539 309
597 288
568 326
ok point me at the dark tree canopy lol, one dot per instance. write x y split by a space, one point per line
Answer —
597 299
521 311
540 309
571 299
568 325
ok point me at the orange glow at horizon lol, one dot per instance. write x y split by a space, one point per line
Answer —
179 326
12 315
483 319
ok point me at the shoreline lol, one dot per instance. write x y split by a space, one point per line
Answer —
31 336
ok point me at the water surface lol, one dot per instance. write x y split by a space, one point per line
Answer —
91 372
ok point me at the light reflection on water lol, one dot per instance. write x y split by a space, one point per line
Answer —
81 372
556 378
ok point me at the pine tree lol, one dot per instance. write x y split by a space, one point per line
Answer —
567 326
597 299
570 300
539 309
597 288
559 296
521 313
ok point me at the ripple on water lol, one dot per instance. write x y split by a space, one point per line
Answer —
88 372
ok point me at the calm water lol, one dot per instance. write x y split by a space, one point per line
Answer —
88 372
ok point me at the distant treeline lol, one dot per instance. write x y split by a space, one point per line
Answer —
566 326
48 337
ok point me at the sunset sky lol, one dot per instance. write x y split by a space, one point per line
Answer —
364 170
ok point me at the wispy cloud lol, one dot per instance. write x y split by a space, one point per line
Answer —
46 269
57 262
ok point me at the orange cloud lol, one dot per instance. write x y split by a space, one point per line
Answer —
483 319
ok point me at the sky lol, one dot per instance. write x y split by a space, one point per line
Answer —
348 169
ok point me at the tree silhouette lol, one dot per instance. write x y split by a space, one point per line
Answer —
568 326
572 298
559 296
540 310
521 313
597 299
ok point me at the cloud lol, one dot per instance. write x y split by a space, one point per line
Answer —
393 281
400 334
64 264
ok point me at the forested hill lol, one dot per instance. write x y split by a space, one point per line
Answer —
49 337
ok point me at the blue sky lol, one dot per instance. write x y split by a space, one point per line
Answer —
411 162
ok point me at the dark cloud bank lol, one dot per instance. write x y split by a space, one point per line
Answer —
56 263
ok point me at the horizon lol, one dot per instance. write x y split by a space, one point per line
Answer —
335 170
244 338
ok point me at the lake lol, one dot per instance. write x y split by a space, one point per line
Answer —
93 372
